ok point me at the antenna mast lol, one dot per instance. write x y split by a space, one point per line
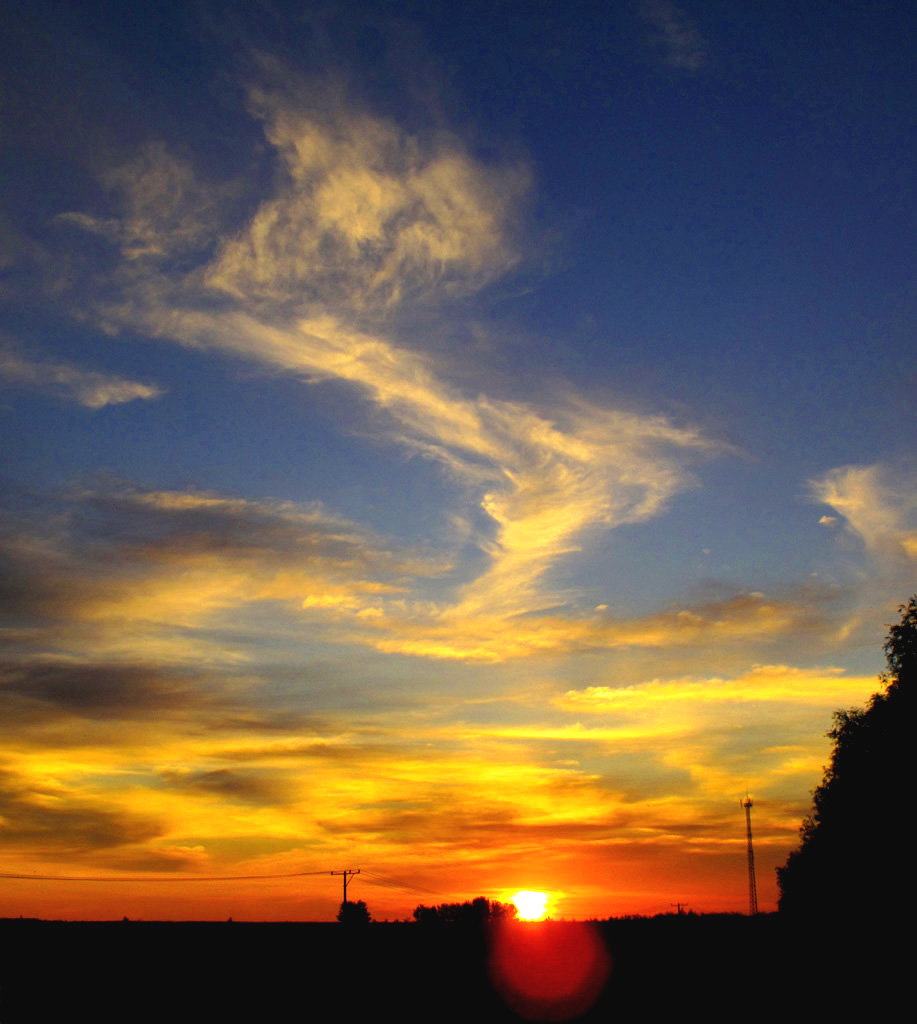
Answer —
752 886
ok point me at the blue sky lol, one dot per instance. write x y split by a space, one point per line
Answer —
471 442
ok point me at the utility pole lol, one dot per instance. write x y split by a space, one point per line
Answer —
346 873
752 885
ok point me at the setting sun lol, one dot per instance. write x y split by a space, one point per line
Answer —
531 905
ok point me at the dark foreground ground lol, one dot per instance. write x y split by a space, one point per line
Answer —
695 967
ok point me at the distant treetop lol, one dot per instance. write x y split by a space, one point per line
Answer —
479 911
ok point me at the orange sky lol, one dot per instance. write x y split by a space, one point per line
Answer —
446 809
421 467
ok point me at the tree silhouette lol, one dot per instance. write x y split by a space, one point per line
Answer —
852 860
354 913
479 911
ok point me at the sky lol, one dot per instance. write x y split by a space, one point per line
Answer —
468 443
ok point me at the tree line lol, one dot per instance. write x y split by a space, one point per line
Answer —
472 913
852 848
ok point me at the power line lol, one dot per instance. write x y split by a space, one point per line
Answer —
147 878
394 883
372 877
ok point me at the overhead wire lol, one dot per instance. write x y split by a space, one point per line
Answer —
395 883
157 878
372 877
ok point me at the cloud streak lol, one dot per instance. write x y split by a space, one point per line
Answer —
879 507
368 214
477 636
366 217
162 209
117 561
49 818
544 481
781 684
677 37
88 388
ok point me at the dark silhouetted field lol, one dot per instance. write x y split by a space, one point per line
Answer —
704 967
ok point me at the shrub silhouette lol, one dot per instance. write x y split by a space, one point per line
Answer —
354 913
851 861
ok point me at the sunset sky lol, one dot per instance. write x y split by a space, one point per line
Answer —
472 443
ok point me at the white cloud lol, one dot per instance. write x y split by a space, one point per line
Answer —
880 509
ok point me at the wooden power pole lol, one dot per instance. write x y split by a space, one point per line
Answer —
346 873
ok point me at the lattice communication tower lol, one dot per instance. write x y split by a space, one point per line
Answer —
752 886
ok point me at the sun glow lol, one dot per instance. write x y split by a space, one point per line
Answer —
531 905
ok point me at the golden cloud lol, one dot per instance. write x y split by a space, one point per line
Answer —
879 508
784 684
368 214
492 638
120 572
87 387
364 217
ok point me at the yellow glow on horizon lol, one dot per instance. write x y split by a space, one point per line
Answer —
532 906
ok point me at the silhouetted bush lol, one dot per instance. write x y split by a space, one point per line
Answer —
354 913
851 861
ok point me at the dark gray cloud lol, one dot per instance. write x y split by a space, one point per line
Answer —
61 704
28 584
316 748
154 861
447 820
123 522
38 576
59 552
632 776
42 822
100 691
230 785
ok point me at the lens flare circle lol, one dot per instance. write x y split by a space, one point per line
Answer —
551 970
531 905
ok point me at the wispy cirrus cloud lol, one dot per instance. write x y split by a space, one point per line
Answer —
368 214
365 218
117 554
163 209
877 504
783 684
674 33
133 562
541 481
477 636
89 388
